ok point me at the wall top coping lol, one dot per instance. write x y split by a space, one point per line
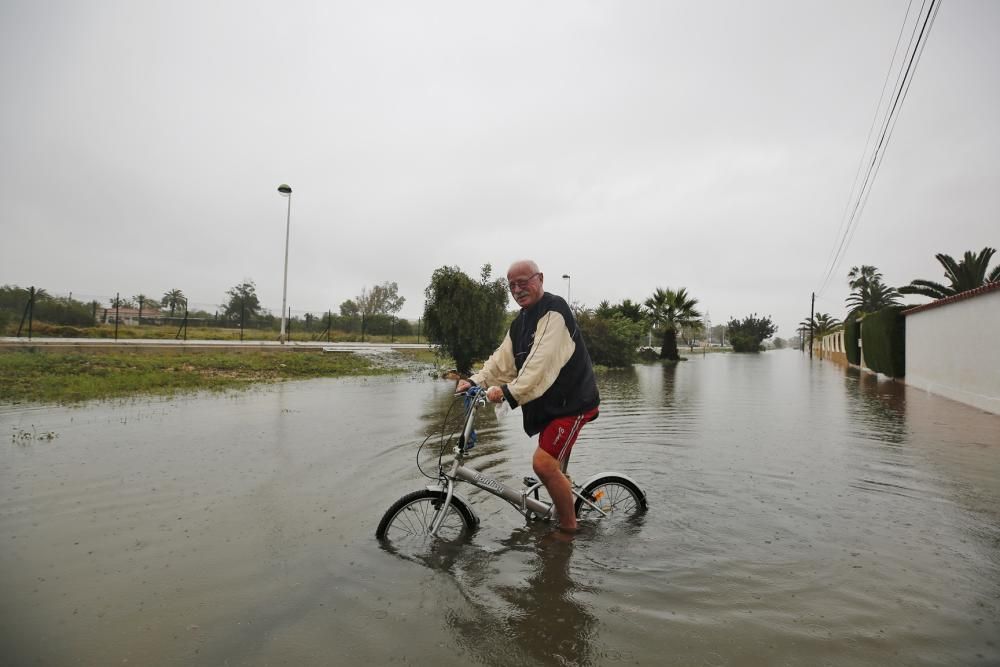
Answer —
961 296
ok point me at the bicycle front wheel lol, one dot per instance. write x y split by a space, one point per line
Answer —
407 523
618 498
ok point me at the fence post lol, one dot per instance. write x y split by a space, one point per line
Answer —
184 326
812 323
29 313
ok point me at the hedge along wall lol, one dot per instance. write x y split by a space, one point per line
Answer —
883 337
851 332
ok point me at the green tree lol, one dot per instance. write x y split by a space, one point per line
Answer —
612 338
747 334
243 302
869 294
821 325
173 299
628 309
121 302
141 299
668 311
690 333
349 309
15 298
46 308
466 318
968 273
382 299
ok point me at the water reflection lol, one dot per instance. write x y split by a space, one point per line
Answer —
535 619
882 404
800 514
442 421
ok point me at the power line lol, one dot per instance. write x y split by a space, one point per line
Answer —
861 161
850 224
904 79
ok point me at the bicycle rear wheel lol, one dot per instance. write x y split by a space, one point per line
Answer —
619 498
406 525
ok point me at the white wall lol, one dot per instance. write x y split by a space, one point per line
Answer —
954 350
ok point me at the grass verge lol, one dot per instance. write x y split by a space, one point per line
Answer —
36 375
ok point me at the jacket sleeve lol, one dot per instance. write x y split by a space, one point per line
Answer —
552 348
499 368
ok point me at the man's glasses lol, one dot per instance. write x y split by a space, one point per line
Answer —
517 284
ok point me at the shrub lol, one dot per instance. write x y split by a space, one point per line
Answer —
883 338
744 342
748 334
852 330
611 341
466 318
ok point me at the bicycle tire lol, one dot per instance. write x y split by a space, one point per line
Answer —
408 521
618 497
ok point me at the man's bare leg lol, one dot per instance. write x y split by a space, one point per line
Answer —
549 471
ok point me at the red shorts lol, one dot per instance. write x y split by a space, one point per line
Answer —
559 435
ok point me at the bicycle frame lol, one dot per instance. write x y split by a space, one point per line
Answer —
525 499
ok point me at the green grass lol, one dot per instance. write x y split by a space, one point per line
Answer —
36 375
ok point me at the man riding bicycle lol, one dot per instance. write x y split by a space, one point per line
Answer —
543 367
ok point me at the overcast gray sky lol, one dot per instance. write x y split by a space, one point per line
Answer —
632 145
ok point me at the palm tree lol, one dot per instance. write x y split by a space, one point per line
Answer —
860 276
142 300
822 324
121 302
969 273
869 293
173 299
669 311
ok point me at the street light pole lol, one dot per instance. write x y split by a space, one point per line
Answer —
569 284
285 191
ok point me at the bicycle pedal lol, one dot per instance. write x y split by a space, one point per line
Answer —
530 481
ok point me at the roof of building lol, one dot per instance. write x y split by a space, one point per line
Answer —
961 296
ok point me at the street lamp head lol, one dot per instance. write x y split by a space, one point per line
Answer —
285 190
566 276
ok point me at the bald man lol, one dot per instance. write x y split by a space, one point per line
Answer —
543 367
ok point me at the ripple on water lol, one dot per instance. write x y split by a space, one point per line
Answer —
799 514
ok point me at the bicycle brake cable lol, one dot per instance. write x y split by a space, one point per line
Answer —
443 445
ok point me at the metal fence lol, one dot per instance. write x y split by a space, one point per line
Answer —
66 316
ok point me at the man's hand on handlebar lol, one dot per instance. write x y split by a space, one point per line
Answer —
493 394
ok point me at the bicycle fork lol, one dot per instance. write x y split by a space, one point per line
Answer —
443 510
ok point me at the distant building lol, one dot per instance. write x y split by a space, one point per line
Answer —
128 316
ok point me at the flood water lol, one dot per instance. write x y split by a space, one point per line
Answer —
800 513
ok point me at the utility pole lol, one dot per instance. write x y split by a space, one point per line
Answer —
812 323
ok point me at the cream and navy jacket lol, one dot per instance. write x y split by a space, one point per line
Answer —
543 365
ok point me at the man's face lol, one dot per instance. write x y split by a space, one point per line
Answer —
525 284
